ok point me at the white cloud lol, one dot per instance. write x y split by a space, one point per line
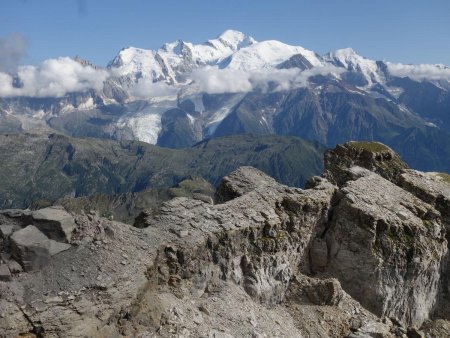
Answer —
213 80
57 77
420 72
146 89
53 78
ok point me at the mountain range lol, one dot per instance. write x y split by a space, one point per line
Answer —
120 177
184 93
188 191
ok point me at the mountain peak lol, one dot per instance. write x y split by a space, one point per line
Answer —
344 53
235 39
231 34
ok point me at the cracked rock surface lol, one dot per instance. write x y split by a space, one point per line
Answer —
360 254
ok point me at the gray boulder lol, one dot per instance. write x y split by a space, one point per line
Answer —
33 249
5 274
7 229
55 222
240 182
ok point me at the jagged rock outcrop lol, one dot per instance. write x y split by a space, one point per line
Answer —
241 182
431 188
265 260
266 231
373 156
434 188
386 247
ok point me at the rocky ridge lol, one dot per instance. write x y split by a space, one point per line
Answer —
352 255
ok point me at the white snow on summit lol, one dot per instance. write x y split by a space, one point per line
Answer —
175 63
133 60
350 60
267 55
177 58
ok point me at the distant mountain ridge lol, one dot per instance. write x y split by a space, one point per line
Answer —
183 93
43 168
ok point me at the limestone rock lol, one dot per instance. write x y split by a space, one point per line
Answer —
373 156
5 274
437 329
33 249
202 197
241 181
387 247
55 222
267 261
7 229
435 190
429 187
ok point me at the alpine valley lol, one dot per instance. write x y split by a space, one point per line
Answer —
184 93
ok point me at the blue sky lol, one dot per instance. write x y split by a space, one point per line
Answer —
408 31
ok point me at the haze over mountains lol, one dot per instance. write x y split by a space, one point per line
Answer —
183 93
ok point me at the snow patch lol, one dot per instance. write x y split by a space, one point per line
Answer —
431 124
191 118
39 115
266 55
395 91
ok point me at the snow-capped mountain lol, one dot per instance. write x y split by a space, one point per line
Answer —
174 63
173 60
183 92
347 58
266 55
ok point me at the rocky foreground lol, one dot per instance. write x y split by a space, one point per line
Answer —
362 252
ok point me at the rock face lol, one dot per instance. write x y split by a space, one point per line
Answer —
364 258
434 188
266 232
373 156
387 248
